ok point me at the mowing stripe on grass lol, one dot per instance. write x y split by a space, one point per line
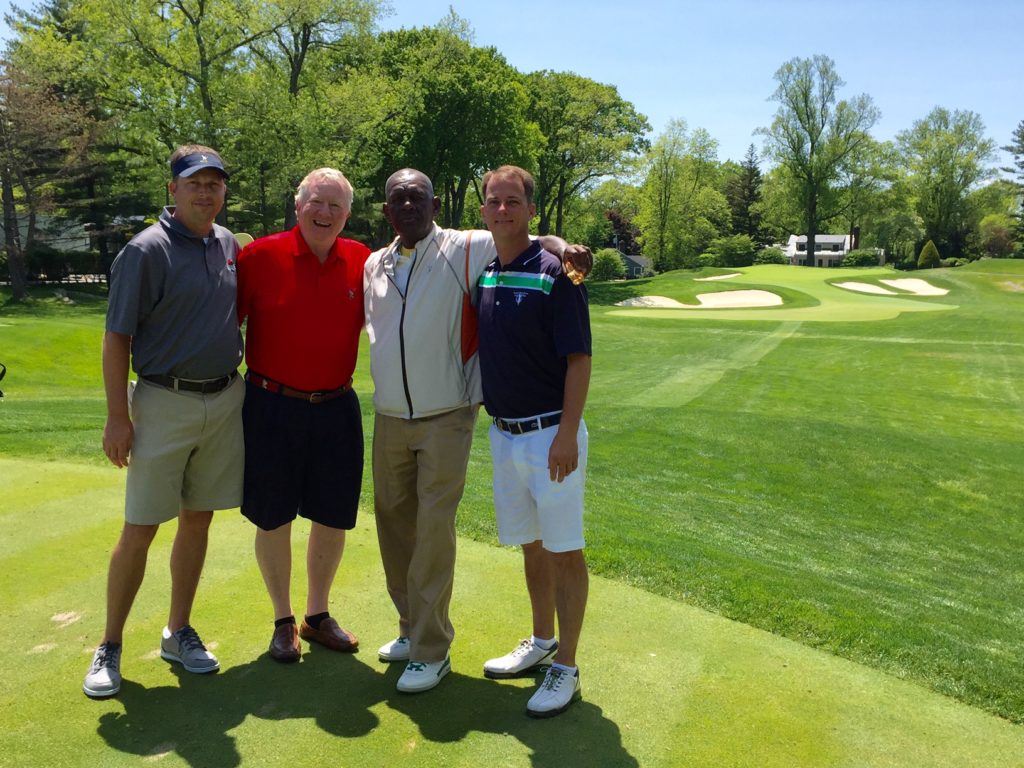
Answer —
694 380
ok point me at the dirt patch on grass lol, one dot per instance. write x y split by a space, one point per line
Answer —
1011 286
65 619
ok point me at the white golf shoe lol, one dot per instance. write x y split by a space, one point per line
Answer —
523 660
421 676
555 694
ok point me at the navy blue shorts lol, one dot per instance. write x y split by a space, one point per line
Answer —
301 459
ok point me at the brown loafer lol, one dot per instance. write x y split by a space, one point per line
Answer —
285 645
330 635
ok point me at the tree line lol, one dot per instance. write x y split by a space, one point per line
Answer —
94 94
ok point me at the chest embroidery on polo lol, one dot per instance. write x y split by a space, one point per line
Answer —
520 295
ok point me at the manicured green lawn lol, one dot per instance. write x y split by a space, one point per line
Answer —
843 470
665 684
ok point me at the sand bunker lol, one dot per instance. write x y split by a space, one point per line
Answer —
917 286
659 302
864 288
716 277
721 300
1008 285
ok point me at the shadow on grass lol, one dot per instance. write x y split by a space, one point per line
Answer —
193 719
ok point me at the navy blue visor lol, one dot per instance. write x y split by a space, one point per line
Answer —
198 161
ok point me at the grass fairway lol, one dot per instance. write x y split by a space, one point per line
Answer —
842 471
666 684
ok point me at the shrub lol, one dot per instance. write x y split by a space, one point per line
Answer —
771 255
733 251
706 260
861 257
929 256
607 265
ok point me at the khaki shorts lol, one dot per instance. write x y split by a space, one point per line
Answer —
187 452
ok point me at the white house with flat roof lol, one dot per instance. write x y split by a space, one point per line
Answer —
828 250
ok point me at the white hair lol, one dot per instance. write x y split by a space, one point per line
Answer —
325 174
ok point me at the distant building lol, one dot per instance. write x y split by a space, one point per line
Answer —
828 250
636 266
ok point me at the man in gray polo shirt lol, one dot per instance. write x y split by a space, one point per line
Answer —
179 431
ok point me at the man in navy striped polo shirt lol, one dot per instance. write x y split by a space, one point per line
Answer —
535 364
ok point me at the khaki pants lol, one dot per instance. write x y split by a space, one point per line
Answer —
419 472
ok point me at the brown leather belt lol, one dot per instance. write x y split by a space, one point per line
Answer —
278 388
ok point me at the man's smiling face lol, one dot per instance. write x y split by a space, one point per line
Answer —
322 213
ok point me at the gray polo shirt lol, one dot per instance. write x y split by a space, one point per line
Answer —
174 294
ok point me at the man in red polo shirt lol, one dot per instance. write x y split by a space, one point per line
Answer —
301 292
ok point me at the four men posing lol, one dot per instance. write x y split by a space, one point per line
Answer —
304 295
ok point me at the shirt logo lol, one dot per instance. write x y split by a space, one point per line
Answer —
351 295
520 295
231 265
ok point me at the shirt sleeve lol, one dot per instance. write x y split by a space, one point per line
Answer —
570 317
134 291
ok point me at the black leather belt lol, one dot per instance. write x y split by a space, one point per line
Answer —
206 386
281 389
522 426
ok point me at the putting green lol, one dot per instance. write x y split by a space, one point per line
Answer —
834 304
665 684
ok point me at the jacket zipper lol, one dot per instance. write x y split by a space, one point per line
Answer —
401 346
401 331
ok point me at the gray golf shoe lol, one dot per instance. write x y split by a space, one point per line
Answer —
185 647
104 676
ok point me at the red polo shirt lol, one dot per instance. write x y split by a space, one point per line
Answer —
304 317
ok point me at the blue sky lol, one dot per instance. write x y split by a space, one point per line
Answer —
711 63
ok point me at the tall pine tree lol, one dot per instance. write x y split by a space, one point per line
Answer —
1016 148
743 191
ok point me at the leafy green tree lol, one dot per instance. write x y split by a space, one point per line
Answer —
608 265
733 251
588 131
681 211
603 217
861 257
996 235
814 134
771 255
779 208
929 256
458 111
947 155
43 139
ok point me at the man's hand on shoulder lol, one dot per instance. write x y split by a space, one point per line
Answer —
577 258
118 435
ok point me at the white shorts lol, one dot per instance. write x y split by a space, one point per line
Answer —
528 504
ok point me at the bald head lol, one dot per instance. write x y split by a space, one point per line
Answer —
406 175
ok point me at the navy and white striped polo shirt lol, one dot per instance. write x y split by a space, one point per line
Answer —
531 318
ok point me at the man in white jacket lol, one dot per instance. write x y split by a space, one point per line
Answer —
418 295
